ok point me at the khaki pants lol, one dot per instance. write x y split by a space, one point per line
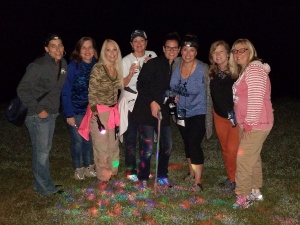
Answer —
229 140
249 169
106 149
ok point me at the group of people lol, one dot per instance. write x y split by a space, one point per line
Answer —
114 99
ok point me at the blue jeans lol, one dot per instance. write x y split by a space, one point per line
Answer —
146 147
81 149
130 137
41 134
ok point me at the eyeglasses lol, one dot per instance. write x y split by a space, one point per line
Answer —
168 48
239 51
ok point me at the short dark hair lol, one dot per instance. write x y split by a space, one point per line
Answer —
172 36
50 37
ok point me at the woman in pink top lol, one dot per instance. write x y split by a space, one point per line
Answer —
254 115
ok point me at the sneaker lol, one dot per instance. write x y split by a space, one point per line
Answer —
143 184
256 195
188 177
163 182
197 187
79 173
228 184
132 177
90 171
242 202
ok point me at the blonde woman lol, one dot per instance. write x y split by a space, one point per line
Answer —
254 114
105 84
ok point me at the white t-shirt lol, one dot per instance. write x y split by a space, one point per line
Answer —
127 62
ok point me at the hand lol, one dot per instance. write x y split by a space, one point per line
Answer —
71 121
147 59
154 109
133 69
43 114
176 99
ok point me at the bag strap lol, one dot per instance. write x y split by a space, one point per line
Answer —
58 76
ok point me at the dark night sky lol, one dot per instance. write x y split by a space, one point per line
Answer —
271 25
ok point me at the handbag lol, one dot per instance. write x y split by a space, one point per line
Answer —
16 111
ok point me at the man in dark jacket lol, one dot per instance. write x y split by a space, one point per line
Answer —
152 86
40 90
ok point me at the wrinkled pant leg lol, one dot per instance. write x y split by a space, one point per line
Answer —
130 139
249 169
41 134
102 156
164 151
146 147
229 140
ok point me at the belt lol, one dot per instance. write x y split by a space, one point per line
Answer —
130 90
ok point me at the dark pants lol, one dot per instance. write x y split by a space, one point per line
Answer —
192 134
130 137
146 147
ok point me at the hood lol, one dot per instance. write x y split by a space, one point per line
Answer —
264 66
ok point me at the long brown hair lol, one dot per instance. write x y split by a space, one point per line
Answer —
76 53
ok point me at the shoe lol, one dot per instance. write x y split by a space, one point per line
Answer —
197 187
90 171
232 186
59 192
79 173
132 177
242 202
225 183
143 184
188 177
256 195
163 182
228 184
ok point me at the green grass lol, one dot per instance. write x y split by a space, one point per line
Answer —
121 202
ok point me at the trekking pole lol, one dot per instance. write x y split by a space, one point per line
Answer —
157 148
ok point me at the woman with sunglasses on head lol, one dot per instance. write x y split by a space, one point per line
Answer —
190 82
75 102
221 92
132 65
254 114
40 90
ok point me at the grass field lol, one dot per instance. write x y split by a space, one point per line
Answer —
121 202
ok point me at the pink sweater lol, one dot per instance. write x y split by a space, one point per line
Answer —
252 98
113 119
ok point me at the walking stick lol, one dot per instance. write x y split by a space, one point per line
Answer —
157 148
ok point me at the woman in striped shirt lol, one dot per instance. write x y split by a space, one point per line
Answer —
254 114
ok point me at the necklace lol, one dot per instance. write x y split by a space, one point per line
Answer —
187 74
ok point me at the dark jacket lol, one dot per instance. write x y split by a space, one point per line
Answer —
153 82
75 90
41 77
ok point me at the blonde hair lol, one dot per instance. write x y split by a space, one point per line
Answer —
236 69
117 64
213 69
